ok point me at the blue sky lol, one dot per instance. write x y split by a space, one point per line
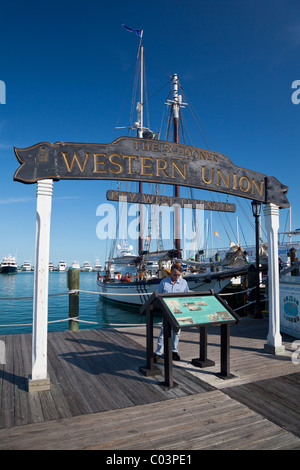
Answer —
67 66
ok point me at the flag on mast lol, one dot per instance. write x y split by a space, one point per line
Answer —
216 235
138 32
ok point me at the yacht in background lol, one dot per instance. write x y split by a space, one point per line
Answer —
87 267
75 265
97 265
62 266
27 266
8 265
51 267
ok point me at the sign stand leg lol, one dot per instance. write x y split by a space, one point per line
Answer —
202 361
225 353
169 383
150 369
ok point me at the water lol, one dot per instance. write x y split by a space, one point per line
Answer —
91 307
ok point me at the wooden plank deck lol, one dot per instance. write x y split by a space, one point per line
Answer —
210 421
276 399
100 400
248 360
90 371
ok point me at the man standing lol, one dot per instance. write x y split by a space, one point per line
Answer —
174 283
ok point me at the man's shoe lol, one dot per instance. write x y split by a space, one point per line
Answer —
175 356
156 357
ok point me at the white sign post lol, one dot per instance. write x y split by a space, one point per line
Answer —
39 379
274 341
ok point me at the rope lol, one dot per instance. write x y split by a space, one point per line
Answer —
110 324
30 324
77 319
76 291
240 292
49 295
244 306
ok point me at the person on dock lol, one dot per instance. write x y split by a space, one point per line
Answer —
172 284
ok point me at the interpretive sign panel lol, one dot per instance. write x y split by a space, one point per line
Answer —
189 310
199 310
185 310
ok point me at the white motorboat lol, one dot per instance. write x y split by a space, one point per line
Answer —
8 265
75 265
27 266
86 267
98 266
62 266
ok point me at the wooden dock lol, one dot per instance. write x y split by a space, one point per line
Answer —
99 399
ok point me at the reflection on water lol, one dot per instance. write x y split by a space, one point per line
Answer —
8 281
92 308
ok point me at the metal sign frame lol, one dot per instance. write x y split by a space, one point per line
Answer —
158 301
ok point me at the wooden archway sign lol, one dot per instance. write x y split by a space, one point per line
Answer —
144 160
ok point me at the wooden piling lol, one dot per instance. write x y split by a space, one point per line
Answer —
73 276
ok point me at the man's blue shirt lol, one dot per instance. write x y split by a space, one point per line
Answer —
166 286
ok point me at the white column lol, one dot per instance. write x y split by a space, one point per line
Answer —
39 379
274 341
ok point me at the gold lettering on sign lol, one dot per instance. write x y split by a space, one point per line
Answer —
75 159
132 196
227 182
145 166
148 198
211 175
130 158
116 163
241 184
98 162
259 189
161 165
234 186
175 166
115 195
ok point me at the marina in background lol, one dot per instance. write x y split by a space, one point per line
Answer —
16 304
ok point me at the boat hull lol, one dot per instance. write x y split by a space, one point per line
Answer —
8 270
137 293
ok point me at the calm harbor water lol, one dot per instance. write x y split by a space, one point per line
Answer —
92 308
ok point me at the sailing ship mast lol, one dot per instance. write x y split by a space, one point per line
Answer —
139 126
176 108
176 104
140 107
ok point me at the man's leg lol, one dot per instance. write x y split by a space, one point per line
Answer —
175 340
160 345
